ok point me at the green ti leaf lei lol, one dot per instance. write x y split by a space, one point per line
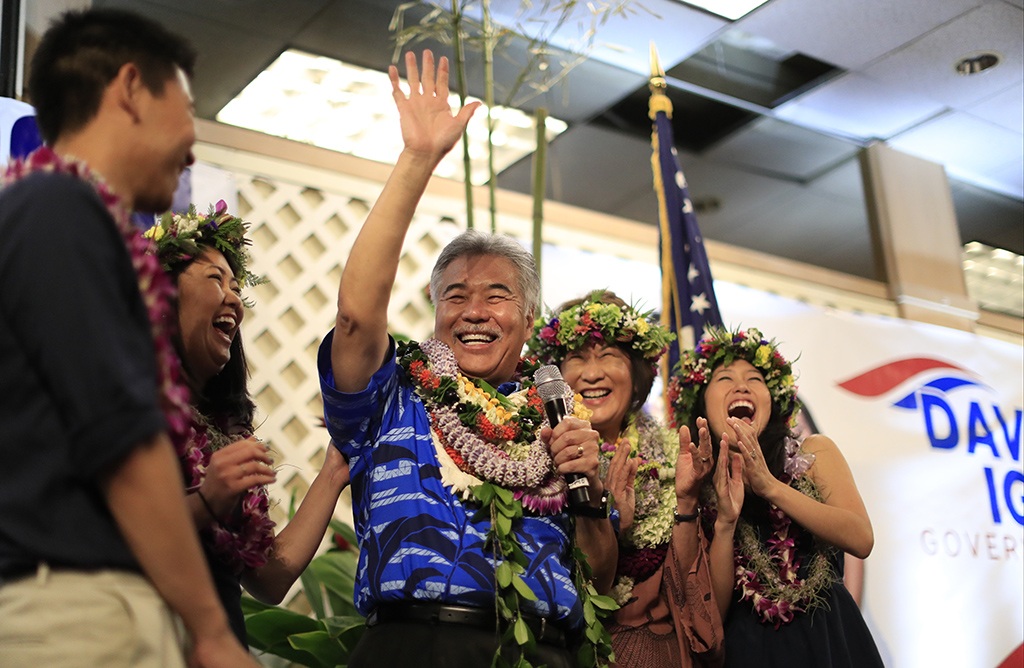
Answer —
504 510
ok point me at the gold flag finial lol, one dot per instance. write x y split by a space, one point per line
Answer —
657 82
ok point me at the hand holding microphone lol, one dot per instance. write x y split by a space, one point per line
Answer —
552 390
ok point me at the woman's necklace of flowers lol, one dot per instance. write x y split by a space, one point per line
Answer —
643 547
767 572
479 432
158 294
243 541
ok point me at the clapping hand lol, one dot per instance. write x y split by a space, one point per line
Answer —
755 468
694 461
728 484
620 481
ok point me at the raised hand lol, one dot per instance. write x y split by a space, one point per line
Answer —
694 461
234 469
728 484
620 481
755 469
428 126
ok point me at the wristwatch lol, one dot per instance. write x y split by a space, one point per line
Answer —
600 512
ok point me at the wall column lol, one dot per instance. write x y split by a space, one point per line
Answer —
916 238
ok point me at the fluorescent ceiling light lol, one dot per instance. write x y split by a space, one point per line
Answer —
327 103
995 278
729 9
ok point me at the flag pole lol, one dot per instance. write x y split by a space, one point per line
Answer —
660 102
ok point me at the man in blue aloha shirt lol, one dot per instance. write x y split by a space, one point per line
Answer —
425 579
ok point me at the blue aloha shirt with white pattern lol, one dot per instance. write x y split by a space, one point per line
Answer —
416 538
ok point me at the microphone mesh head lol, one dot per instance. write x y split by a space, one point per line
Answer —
548 380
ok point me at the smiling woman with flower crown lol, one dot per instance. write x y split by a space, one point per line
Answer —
782 514
226 468
608 352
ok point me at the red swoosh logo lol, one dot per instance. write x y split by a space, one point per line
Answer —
880 380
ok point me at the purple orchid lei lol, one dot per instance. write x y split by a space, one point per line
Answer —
158 294
767 572
156 288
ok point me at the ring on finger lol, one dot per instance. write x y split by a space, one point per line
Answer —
705 459
579 451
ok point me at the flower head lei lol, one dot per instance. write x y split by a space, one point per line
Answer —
593 320
179 238
720 347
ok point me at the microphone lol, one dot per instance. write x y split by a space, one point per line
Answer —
552 390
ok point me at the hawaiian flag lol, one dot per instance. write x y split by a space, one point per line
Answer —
687 291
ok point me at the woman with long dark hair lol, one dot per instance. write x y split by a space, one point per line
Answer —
226 469
782 513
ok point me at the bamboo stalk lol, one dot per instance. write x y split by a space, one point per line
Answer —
539 162
492 177
463 87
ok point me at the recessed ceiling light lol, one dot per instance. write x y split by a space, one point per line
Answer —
978 62
729 9
331 104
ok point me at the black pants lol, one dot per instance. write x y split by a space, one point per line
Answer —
440 645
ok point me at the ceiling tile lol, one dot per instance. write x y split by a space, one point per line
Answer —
849 34
926 67
590 167
225 65
856 106
624 40
1005 108
782 149
265 17
969 148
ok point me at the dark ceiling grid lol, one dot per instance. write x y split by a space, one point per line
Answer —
761 179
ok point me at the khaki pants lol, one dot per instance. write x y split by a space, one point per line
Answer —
75 619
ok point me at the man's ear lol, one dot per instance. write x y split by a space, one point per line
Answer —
125 90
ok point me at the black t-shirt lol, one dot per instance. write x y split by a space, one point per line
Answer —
78 380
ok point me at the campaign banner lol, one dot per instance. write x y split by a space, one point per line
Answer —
929 419
19 134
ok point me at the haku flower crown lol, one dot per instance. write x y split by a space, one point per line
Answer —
596 321
180 238
721 347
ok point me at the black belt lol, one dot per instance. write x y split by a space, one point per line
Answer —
543 630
